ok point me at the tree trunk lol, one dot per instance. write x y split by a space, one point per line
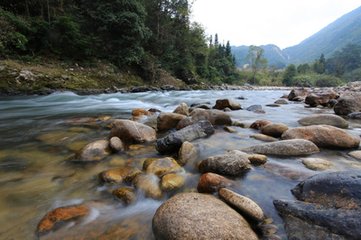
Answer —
48 9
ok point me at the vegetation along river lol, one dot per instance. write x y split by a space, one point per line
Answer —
40 135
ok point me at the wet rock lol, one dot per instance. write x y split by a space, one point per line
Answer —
257 159
184 123
239 124
215 117
260 124
305 221
168 121
273 105
317 164
227 103
162 166
132 132
139 113
343 189
324 119
355 154
324 136
211 183
94 151
281 101
229 129
201 106
149 184
187 153
188 216
172 182
254 108
264 138
233 163
297 94
355 115
125 194
296 147
348 104
320 98
173 141
274 129
119 175
116 144
247 207
61 214
183 109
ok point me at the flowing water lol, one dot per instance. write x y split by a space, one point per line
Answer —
39 134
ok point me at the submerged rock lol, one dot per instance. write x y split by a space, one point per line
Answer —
227 103
172 182
119 175
264 138
324 119
317 164
274 129
149 184
211 183
199 216
132 132
125 194
94 151
281 101
294 147
324 136
162 166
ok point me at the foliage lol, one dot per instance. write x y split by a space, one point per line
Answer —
289 74
256 60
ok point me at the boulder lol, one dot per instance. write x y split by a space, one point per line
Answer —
264 138
324 119
227 103
348 104
260 124
233 163
94 151
296 147
116 144
324 136
211 183
247 207
132 132
183 109
168 121
119 175
297 94
317 164
320 98
61 214
162 166
125 194
149 184
274 129
199 216
173 141
187 153
172 182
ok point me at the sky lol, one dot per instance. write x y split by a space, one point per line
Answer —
257 22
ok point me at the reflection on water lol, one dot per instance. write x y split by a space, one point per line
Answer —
40 134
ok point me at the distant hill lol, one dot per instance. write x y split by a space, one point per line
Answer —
335 36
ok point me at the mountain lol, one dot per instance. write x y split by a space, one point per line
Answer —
335 36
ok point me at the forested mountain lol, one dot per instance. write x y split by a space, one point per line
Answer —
147 36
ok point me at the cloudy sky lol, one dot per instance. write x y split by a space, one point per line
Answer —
281 22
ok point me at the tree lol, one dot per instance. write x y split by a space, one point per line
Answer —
303 68
319 65
289 74
256 60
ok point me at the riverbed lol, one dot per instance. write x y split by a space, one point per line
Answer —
41 134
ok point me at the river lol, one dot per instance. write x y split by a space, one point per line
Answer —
39 134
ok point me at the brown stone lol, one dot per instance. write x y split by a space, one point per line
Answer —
348 103
94 151
172 182
260 124
162 166
257 159
187 153
116 144
211 182
324 119
132 132
125 194
227 103
183 109
274 129
168 121
297 94
118 175
149 184
264 138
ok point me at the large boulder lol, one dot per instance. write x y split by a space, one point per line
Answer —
324 119
94 151
296 147
297 94
168 121
173 141
132 132
233 163
323 136
274 129
227 103
199 216
348 104
321 98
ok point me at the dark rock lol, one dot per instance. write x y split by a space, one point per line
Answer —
355 115
348 104
260 124
320 98
227 103
173 141
281 101
254 108
273 105
297 94
324 119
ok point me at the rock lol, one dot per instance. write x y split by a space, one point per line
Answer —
295 147
227 103
215 117
257 159
233 163
320 98
168 121
355 154
317 164
132 132
254 108
138 113
313 222
188 216
324 136
273 105
324 119
94 151
239 124
183 109
116 144
173 141
125 194
149 184
281 101
211 183
260 124
247 207
264 138
162 166
201 105
187 153
61 214
172 182
297 94
355 115
119 175
26 75
343 190
348 104
274 129
184 123
229 129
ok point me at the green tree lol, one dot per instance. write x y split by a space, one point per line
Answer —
319 65
289 74
256 61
